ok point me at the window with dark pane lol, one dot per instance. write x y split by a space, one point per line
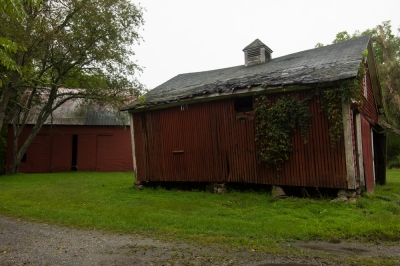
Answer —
244 104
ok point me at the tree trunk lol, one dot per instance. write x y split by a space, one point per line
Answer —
14 167
19 153
18 129
9 90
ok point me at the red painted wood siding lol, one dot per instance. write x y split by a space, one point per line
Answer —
206 142
100 148
87 150
61 153
367 155
368 108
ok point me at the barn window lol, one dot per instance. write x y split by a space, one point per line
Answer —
244 104
23 160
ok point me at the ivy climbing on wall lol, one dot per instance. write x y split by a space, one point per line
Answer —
275 124
332 100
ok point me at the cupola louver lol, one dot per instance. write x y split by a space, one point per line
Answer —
256 53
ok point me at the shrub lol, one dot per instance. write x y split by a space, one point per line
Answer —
394 163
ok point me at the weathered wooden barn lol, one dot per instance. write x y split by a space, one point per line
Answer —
76 138
200 127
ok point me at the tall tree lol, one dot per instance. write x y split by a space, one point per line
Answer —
69 42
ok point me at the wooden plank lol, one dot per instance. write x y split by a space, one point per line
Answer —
360 150
367 154
132 130
348 147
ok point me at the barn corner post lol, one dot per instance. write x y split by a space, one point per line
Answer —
348 147
360 158
133 144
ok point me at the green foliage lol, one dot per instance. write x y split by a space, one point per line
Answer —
275 124
332 105
342 36
332 100
7 49
318 45
393 146
142 98
394 162
16 8
12 9
76 78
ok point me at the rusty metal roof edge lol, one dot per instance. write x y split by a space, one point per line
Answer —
240 92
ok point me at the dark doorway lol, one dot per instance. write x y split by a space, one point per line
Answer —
74 153
23 160
380 157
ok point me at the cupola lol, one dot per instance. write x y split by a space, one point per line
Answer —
256 53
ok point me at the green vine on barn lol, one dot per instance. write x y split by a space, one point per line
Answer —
276 123
331 101
333 98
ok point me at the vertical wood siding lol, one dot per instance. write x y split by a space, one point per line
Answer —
100 148
368 108
354 144
369 115
208 142
60 161
367 154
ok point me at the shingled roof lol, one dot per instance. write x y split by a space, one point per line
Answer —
73 112
325 64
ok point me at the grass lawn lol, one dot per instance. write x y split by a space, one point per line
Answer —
107 201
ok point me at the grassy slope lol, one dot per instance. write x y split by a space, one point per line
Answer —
107 201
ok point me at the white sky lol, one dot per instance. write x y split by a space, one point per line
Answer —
182 36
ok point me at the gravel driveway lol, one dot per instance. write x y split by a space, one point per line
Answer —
27 243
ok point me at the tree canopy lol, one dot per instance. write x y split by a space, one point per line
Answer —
58 44
8 47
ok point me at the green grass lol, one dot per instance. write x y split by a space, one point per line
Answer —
107 201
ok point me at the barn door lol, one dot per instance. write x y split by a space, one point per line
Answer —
368 155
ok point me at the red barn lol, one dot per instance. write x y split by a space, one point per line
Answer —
200 127
76 139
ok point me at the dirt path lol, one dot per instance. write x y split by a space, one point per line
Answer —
27 243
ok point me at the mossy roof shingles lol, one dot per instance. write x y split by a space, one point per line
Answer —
325 64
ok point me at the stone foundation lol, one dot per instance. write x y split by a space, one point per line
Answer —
138 185
217 188
348 195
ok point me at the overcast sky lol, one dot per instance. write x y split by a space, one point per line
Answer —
183 36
